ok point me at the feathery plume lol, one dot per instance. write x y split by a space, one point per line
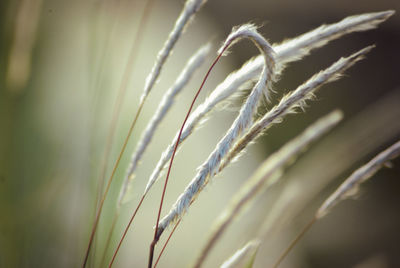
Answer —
296 48
194 62
241 123
268 172
301 46
209 168
347 189
294 101
168 99
289 51
223 91
189 10
297 193
351 185
244 118
238 258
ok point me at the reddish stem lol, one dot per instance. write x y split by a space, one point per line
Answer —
294 242
169 237
99 211
166 243
109 237
116 112
156 233
126 231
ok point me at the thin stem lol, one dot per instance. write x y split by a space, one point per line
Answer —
156 234
126 229
115 116
110 234
98 214
123 86
125 232
166 243
294 242
97 83
169 237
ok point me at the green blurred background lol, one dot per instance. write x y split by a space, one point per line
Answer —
60 66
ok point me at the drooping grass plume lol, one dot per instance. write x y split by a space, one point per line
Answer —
189 10
288 102
354 139
268 172
289 51
301 46
293 102
155 239
351 185
168 99
240 257
109 237
244 118
346 190
224 90
377 117
241 123
296 48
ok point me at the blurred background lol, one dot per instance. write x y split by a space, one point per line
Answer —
61 63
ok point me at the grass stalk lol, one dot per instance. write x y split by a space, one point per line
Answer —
166 243
182 80
351 185
347 189
293 101
239 256
115 116
241 123
294 242
289 104
268 173
125 232
156 233
269 65
354 138
289 51
286 105
191 7
163 108
302 45
100 209
109 237
168 99
189 10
